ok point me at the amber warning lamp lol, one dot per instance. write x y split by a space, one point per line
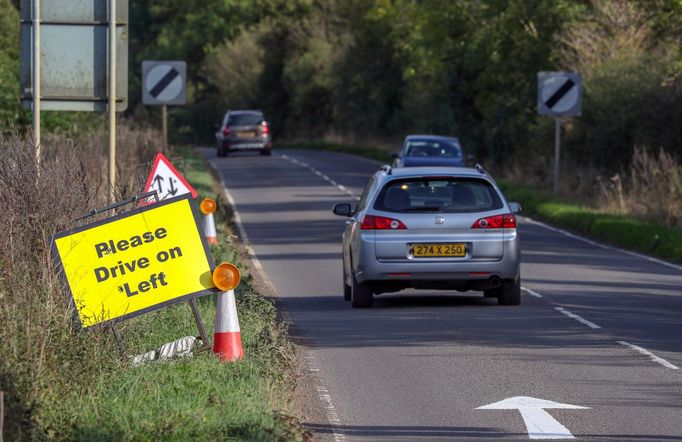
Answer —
226 276
207 206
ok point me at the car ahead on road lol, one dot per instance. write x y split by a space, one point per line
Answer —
441 228
430 151
244 130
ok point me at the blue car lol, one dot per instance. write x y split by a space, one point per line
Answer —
430 150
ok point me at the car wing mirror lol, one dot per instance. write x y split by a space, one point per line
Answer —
515 207
343 209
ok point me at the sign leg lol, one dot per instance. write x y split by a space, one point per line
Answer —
557 153
117 338
205 344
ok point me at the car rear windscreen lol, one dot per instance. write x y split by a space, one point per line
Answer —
440 194
245 120
432 148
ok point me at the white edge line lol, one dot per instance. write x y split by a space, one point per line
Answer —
330 410
652 356
531 292
603 246
577 318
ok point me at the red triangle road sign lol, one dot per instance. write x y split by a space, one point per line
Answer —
166 180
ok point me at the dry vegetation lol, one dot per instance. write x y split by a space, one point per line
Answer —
39 349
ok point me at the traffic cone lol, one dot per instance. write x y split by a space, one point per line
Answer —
208 207
227 341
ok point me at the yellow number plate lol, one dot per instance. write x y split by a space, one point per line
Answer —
431 250
246 134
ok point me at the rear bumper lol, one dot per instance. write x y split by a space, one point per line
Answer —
232 144
464 273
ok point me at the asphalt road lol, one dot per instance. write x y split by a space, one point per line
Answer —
602 329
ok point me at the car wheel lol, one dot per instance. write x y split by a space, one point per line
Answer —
360 295
510 293
346 288
222 152
266 152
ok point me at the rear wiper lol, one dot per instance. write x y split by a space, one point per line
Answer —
424 209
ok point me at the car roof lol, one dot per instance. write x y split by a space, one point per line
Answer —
245 111
431 137
409 172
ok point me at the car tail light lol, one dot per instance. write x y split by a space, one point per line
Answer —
266 128
226 131
506 221
371 222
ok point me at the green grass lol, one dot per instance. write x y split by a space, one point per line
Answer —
197 398
626 232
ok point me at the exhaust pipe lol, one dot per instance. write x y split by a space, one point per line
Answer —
494 280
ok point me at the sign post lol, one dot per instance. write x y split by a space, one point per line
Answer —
559 94
74 57
164 84
112 101
36 78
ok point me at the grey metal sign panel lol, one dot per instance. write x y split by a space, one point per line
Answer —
559 93
164 83
74 11
74 55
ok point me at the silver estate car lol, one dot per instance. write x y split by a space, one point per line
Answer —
443 228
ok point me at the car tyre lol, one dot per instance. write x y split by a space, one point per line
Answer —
346 288
266 152
510 293
360 295
222 152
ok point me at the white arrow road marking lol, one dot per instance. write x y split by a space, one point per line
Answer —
539 423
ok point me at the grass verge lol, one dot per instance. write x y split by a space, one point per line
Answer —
99 396
623 231
200 398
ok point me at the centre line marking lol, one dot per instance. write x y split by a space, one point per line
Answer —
577 318
321 175
652 356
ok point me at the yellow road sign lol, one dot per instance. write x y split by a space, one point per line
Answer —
135 262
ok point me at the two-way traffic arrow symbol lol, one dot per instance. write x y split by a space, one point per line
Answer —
172 189
539 423
158 179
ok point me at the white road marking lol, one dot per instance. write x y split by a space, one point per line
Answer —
577 318
324 396
652 356
531 292
321 175
602 246
539 423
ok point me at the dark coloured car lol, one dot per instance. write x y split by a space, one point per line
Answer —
430 151
244 130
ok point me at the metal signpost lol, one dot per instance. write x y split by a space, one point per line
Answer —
74 57
164 84
559 94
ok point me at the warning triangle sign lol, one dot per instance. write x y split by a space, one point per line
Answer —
166 180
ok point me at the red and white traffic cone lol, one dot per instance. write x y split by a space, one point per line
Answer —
208 207
227 341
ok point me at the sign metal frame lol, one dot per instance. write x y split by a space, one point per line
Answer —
135 211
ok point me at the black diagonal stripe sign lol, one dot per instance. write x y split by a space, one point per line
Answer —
559 94
165 81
